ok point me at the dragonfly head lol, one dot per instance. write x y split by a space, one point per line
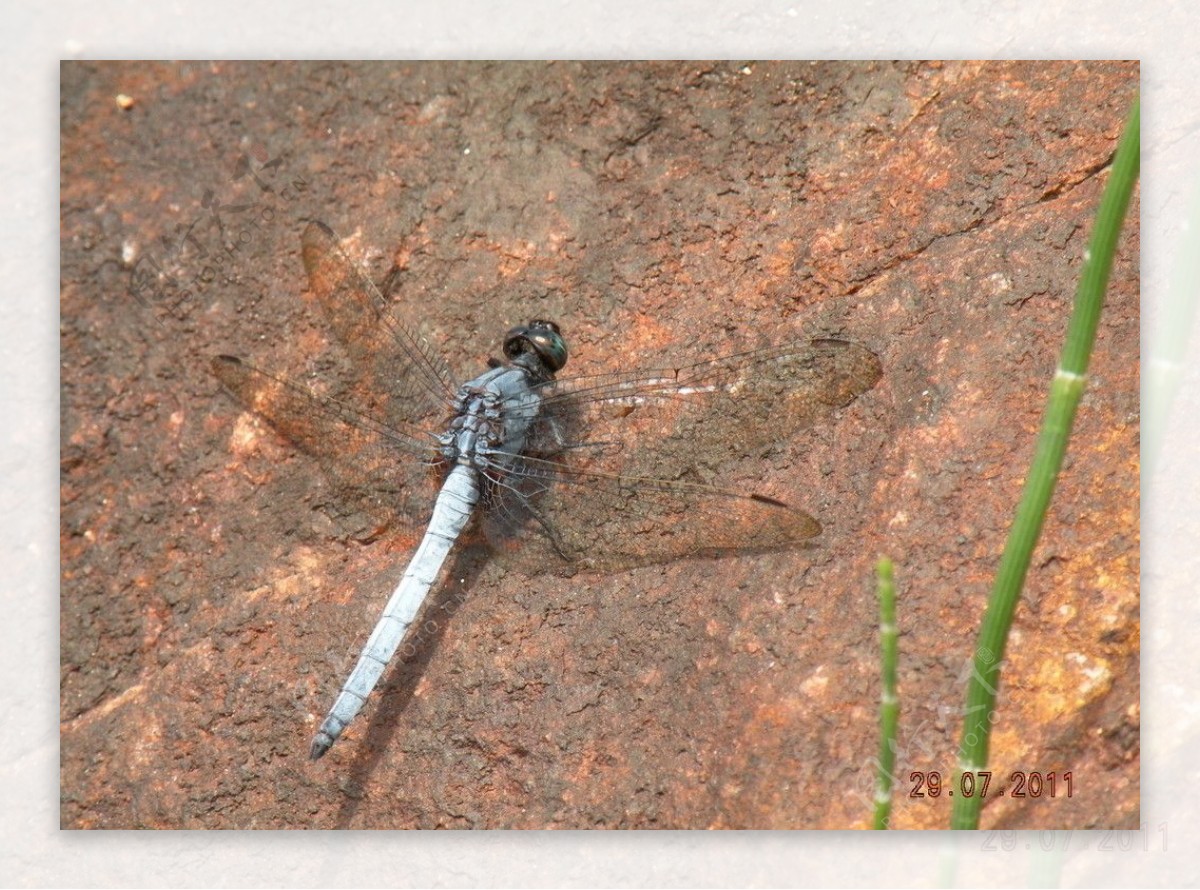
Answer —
538 338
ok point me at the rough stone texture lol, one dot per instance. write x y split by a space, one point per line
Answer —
938 213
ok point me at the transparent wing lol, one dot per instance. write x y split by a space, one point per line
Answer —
386 469
394 373
545 514
732 406
624 469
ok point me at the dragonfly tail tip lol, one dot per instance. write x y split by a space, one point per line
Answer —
320 744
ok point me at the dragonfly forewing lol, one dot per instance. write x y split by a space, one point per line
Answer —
397 374
708 413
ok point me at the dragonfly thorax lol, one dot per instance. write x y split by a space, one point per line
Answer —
493 415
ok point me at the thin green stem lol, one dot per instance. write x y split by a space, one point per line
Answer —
889 706
1065 393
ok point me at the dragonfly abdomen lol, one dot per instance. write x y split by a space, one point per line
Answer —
457 499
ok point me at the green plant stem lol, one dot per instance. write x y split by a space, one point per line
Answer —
889 707
1065 393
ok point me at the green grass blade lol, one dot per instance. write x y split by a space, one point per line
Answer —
1065 393
889 707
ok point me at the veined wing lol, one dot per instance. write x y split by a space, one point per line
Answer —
395 372
543 514
381 467
732 406
621 467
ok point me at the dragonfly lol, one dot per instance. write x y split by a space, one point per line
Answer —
602 471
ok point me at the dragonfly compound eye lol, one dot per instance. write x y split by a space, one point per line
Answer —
541 337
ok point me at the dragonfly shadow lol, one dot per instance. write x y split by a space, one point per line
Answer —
466 566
